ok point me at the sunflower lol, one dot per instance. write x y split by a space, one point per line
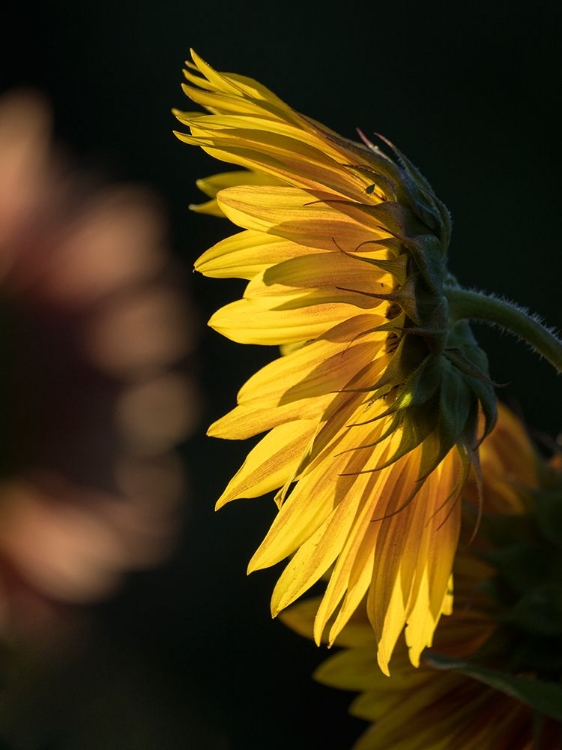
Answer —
425 708
371 411
449 710
93 385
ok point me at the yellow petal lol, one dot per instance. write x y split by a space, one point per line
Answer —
238 85
300 517
414 557
313 280
321 367
270 464
213 184
248 324
248 420
353 577
280 150
246 254
314 556
333 270
319 496
300 216
355 669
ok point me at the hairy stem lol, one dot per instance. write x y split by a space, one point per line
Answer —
471 305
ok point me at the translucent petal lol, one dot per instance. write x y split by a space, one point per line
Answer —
270 464
246 254
248 324
248 420
299 216
323 366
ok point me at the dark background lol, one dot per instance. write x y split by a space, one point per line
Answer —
471 93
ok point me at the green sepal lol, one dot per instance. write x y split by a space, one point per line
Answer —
486 398
544 697
416 429
460 361
413 188
462 339
431 206
416 423
425 250
410 354
434 451
422 384
456 403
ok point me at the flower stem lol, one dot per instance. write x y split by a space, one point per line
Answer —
471 305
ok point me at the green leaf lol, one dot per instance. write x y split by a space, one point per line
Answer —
545 697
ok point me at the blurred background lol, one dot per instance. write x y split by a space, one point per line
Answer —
184 654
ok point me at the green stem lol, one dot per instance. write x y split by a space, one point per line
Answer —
470 305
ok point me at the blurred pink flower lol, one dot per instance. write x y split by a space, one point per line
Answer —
93 388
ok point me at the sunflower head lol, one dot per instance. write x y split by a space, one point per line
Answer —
437 378
372 413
